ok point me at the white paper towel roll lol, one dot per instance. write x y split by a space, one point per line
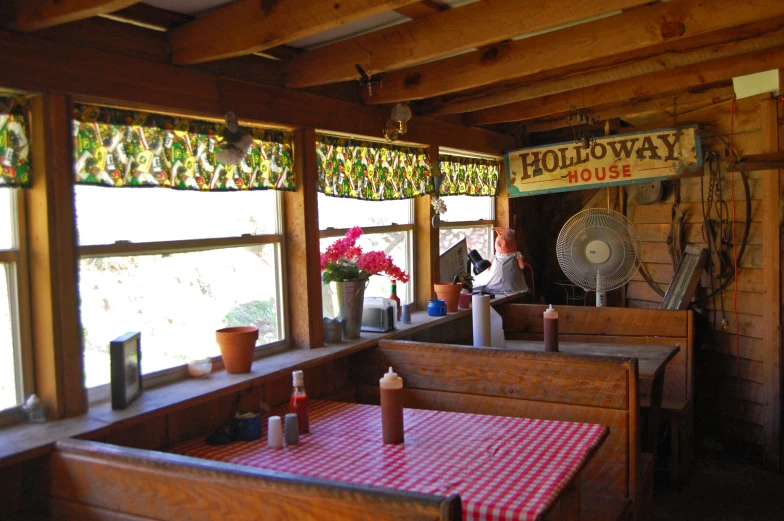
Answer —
480 313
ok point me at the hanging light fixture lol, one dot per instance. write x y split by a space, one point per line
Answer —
397 124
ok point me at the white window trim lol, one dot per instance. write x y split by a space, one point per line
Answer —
329 232
19 287
102 392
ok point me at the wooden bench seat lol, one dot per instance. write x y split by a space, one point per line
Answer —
523 384
630 326
93 480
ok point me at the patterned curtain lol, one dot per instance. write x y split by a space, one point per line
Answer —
116 147
371 171
14 144
468 176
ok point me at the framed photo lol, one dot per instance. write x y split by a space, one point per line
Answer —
126 358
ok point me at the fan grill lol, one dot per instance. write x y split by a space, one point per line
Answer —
610 228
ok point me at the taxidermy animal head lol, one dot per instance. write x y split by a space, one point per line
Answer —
505 241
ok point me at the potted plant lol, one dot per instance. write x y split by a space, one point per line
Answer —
346 268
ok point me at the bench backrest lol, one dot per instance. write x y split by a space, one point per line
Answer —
549 386
617 326
92 480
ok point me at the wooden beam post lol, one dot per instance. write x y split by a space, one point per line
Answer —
426 242
771 274
301 230
502 218
57 336
31 15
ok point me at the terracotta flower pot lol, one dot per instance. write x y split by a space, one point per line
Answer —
237 345
450 293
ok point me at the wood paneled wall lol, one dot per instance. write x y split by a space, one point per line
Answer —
162 429
730 394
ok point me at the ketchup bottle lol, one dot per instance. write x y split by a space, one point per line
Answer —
298 404
551 329
391 407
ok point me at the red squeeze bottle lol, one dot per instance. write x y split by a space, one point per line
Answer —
391 407
298 404
393 296
551 329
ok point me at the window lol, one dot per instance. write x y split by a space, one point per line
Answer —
386 225
12 290
471 218
175 265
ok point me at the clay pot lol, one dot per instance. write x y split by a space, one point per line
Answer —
449 293
237 345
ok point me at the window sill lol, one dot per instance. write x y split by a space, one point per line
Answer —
27 441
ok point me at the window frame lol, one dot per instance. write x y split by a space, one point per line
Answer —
21 314
127 248
331 232
481 223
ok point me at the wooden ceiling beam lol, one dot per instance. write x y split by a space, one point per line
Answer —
250 26
683 102
641 88
715 45
421 8
145 15
630 31
440 34
32 15
31 63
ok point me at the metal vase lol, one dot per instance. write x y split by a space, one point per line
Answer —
347 300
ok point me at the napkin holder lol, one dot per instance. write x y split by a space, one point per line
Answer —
378 315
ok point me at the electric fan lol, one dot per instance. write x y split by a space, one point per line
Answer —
599 250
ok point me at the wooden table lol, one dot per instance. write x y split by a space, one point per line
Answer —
651 363
502 467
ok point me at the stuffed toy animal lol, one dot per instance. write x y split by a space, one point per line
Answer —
506 272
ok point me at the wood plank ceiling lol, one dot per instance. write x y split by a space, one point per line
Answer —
480 63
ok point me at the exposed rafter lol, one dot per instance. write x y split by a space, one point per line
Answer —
683 101
715 45
421 8
441 34
250 26
630 31
31 15
641 88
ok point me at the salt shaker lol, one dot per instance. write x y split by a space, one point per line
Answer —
274 432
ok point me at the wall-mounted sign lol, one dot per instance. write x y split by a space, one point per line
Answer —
611 160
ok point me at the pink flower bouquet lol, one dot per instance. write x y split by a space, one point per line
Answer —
344 260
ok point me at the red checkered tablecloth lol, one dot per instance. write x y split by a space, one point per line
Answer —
503 468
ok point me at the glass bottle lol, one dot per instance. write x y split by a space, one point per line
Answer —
393 296
298 404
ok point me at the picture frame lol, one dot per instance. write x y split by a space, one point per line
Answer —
126 369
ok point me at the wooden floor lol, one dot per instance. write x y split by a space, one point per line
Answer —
723 491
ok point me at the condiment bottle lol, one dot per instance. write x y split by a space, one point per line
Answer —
551 329
391 407
298 404
393 296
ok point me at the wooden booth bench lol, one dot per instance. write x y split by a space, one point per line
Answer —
94 480
637 327
549 386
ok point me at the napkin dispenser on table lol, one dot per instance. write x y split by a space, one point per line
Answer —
378 315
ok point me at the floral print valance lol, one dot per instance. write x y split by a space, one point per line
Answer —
117 147
468 176
14 142
371 171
